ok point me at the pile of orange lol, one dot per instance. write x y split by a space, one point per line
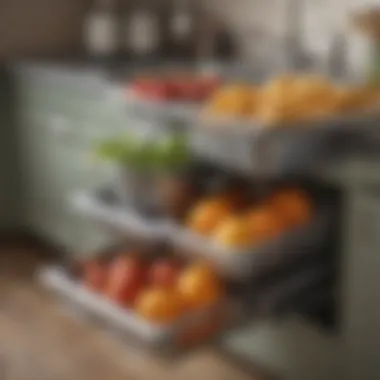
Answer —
197 287
290 98
160 291
284 210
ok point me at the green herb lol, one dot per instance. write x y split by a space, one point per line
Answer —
170 153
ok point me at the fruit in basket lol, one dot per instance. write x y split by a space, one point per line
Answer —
199 286
232 101
188 88
95 274
291 98
159 305
206 215
126 277
209 85
233 232
235 195
312 87
154 88
279 89
273 114
176 87
264 224
277 102
359 99
294 206
164 273
192 87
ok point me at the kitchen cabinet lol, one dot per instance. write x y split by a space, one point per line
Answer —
294 349
60 114
9 163
360 282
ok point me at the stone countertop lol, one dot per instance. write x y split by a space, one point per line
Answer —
41 341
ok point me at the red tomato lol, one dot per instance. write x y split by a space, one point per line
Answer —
153 88
208 86
186 89
193 88
164 273
126 277
142 85
95 275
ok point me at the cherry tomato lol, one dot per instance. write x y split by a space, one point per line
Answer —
164 273
126 277
95 275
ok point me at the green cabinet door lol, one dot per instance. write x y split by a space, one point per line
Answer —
10 210
57 125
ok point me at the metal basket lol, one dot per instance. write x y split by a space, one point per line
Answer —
251 263
181 335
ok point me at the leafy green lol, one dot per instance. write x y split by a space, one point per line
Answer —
169 153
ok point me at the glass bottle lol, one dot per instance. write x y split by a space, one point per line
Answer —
100 30
183 25
142 30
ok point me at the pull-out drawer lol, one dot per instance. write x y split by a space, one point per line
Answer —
83 97
289 348
306 287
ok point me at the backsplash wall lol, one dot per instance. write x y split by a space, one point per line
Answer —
40 27
250 20
259 27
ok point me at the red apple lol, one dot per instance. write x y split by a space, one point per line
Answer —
164 273
208 86
153 88
95 275
126 277
187 89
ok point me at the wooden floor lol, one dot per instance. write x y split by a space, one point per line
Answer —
38 341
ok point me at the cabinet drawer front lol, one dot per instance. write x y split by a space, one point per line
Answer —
290 349
75 94
72 162
56 223
364 221
361 299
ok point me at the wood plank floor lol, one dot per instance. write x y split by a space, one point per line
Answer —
38 341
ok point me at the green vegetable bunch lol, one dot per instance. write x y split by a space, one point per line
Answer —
146 155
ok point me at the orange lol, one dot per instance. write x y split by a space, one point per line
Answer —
159 305
235 197
232 100
264 223
359 98
199 286
294 206
278 90
312 87
207 214
233 232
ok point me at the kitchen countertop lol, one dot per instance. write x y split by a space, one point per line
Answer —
40 341
121 68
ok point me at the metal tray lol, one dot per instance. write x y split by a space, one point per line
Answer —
183 112
236 265
252 147
119 216
247 265
189 332
265 152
